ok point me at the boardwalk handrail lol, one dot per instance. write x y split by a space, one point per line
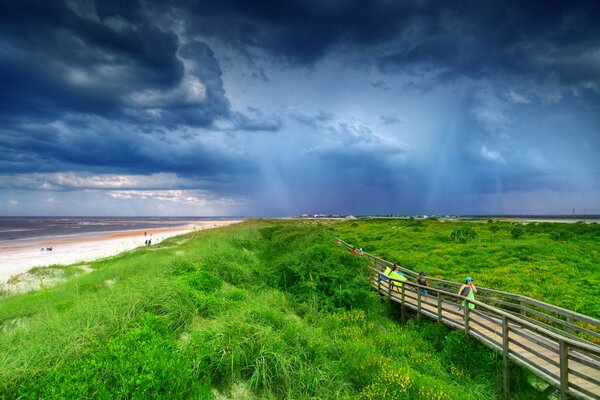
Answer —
572 323
564 360
568 351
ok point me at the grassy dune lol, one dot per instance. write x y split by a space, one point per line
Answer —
553 262
258 310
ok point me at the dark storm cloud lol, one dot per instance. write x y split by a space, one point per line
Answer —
283 100
106 86
93 144
528 39
73 57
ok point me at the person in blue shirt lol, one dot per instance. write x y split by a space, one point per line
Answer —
421 280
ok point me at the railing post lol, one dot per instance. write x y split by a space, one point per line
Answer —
390 286
378 283
467 316
564 368
403 306
505 350
439 307
418 303
403 287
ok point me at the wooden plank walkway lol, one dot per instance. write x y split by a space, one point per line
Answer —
563 359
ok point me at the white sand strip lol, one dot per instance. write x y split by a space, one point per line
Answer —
18 257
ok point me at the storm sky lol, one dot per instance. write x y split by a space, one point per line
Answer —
274 108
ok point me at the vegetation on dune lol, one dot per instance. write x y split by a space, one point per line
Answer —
264 309
554 262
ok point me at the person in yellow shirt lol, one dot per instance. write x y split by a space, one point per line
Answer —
398 276
385 274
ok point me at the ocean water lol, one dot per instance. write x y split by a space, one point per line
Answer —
18 228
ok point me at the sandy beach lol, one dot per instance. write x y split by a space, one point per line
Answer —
20 256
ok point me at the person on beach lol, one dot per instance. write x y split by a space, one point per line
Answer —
467 290
421 280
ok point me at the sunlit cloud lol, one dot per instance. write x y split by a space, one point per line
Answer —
78 181
491 155
189 197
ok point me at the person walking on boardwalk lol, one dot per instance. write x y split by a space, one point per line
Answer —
398 276
468 290
386 272
421 280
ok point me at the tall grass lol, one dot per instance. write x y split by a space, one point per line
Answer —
265 309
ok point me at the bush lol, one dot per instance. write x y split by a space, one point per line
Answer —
463 234
330 276
517 232
494 228
561 236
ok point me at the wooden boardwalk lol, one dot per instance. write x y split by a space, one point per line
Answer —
549 341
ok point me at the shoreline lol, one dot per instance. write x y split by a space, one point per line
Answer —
19 257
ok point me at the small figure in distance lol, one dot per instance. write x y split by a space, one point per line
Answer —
421 280
468 290
354 251
361 252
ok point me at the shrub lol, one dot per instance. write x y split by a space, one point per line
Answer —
494 228
561 236
330 276
415 222
517 232
463 234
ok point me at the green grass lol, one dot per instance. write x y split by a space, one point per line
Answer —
264 309
553 262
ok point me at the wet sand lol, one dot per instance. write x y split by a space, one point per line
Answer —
17 257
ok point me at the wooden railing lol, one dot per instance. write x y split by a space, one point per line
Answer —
535 338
